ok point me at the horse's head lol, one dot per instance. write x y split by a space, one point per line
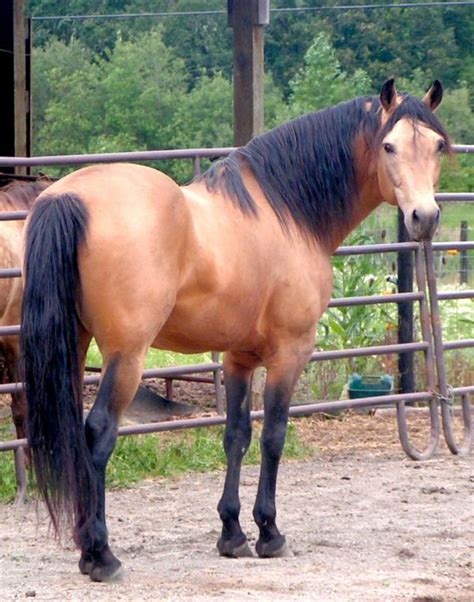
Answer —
410 146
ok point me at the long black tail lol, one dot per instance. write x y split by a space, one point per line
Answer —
51 360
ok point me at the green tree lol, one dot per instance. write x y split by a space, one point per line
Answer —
124 102
458 116
203 42
394 42
98 35
66 99
322 82
51 65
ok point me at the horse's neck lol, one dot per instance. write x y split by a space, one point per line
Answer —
369 198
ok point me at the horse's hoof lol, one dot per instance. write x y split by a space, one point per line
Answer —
110 573
86 563
230 550
275 548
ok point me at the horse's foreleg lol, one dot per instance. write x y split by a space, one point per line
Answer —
238 431
119 383
281 380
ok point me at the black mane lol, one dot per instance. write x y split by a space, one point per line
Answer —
306 167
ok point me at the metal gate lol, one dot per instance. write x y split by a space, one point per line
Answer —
439 393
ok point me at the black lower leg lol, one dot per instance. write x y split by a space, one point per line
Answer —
233 541
97 560
276 400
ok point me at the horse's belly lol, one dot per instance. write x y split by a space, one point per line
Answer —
213 325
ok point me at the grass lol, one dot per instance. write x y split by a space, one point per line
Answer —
165 455
7 465
155 358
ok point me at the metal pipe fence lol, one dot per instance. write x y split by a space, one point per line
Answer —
438 393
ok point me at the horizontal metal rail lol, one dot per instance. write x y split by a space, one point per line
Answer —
323 407
169 372
461 344
150 155
454 196
448 295
375 299
366 351
10 216
393 247
154 155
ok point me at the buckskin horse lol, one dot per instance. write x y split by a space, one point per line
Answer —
16 196
238 261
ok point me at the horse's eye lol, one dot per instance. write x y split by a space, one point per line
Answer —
388 148
442 146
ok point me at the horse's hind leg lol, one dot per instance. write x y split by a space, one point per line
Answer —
11 354
233 542
120 380
281 379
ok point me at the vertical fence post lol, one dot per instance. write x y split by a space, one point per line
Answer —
405 271
20 82
247 20
464 261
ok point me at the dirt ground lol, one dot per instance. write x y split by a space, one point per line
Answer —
363 522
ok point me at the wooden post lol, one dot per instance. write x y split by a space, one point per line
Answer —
19 78
464 267
248 18
405 271
15 137
7 106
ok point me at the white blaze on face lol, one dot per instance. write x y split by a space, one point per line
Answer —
409 168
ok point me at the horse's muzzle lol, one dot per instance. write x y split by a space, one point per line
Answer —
422 225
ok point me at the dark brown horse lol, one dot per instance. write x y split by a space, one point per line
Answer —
238 261
16 196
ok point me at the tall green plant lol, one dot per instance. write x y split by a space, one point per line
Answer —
361 325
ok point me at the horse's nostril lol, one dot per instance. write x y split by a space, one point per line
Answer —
438 215
415 216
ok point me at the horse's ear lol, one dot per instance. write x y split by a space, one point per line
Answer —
434 96
388 95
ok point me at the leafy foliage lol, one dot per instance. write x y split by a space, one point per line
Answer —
362 325
322 82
